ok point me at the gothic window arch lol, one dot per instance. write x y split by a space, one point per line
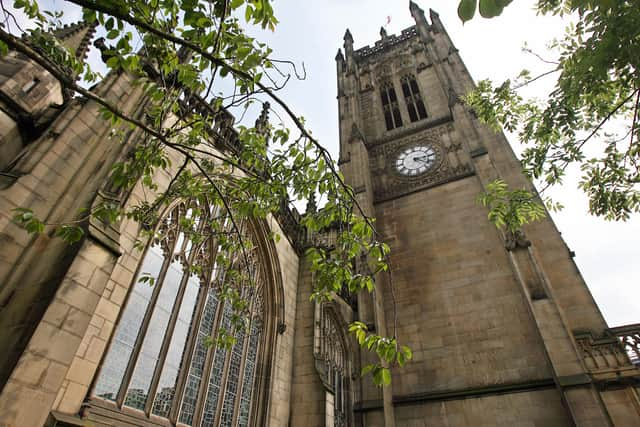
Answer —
334 367
413 99
160 364
390 108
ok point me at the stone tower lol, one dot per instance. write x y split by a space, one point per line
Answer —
503 328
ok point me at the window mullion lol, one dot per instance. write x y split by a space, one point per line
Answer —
170 327
223 385
206 371
192 339
243 358
208 365
229 352
145 325
189 350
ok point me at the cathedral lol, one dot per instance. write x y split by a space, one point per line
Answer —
503 329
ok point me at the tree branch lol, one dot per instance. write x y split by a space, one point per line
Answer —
242 74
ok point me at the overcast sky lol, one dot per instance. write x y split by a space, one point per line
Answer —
311 32
607 253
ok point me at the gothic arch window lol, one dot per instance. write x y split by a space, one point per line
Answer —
160 363
333 366
413 99
390 107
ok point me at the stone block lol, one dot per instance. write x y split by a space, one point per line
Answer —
82 371
54 343
76 322
107 309
73 397
31 369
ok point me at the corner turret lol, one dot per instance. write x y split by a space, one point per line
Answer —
30 97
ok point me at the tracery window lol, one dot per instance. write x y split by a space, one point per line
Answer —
335 368
413 99
390 107
160 361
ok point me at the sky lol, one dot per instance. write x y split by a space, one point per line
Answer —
607 253
311 32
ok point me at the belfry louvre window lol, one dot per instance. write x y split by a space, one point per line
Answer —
161 363
411 92
390 108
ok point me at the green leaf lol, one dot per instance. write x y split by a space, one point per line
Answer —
466 10
70 233
490 8
366 369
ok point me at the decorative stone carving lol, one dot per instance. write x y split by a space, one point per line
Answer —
389 184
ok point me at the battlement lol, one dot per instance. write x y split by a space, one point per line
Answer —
385 43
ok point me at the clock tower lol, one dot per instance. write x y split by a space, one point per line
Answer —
503 328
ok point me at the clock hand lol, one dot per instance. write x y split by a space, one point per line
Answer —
421 159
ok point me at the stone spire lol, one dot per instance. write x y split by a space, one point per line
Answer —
77 37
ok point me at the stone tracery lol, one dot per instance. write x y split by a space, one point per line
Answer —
161 360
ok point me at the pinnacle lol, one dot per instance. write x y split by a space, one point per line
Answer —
339 56
347 36
76 36
262 121
414 8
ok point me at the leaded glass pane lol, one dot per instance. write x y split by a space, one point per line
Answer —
143 373
249 373
175 355
117 358
215 377
233 378
198 360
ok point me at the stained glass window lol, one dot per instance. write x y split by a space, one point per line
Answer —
161 360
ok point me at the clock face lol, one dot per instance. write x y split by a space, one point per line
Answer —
416 160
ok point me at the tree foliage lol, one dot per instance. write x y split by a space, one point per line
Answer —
596 93
191 51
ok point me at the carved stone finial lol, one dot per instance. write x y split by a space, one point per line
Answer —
414 8
312 206
348 38
339 56
383 33
106 52
262 122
